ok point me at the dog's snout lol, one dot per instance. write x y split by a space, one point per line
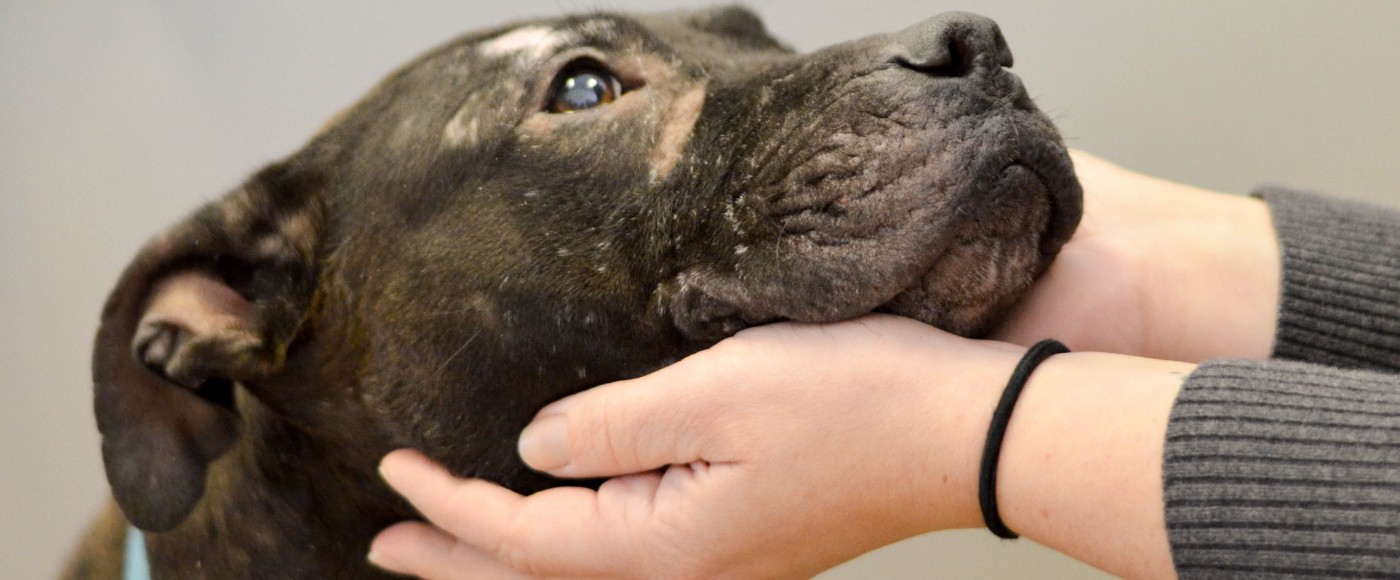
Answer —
953 45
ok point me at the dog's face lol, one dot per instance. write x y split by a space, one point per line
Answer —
527 212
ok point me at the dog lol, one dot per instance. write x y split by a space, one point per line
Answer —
526 212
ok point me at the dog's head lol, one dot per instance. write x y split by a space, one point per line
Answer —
526 212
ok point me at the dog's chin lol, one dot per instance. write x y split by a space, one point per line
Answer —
991 259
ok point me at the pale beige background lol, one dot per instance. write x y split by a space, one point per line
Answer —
116 118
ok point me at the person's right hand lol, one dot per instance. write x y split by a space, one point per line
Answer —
1157 269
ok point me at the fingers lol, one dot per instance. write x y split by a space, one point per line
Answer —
421 550
468 509
558 529
627 427
689 412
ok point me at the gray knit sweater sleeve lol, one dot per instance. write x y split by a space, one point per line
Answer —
1291 468
1341 281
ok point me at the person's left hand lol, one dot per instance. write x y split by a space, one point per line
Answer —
781 451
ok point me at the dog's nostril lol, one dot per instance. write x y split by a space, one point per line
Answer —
950 45
955 60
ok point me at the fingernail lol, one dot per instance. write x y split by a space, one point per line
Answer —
378 559
557 407
385 467
544 444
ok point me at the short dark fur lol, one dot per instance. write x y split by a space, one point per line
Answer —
446 258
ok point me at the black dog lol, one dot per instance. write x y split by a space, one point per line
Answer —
526 212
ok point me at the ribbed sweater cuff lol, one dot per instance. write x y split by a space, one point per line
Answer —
1340 301
1281 468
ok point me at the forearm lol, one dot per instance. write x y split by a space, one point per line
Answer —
1243 465
1081 468
1212 279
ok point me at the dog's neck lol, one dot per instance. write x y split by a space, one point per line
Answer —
284 502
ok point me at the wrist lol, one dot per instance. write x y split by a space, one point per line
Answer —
1080 467
1212 278
996 432
955 391
957 411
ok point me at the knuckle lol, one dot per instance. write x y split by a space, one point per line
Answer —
459 500
595 435
733 357
613 436
512 549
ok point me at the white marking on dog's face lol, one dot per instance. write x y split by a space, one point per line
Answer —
537 40
676 128
460 130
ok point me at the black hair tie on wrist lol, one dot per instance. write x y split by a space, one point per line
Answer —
987 478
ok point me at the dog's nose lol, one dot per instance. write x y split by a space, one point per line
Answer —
953 44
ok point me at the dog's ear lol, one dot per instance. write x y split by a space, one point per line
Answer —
214 301
737 23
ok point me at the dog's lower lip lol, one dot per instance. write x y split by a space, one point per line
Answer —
1014 182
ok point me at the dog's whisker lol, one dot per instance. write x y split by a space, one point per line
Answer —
442 367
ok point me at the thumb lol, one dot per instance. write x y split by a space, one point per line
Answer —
624 427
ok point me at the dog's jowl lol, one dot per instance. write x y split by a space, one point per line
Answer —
529 211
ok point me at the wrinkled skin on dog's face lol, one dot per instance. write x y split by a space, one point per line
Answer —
456 250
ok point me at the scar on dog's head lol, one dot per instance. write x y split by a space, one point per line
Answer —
528 211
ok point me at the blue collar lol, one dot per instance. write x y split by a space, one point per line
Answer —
134 565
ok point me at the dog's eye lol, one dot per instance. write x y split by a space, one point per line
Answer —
583 86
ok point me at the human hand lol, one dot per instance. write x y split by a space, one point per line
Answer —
1157 269
790 447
